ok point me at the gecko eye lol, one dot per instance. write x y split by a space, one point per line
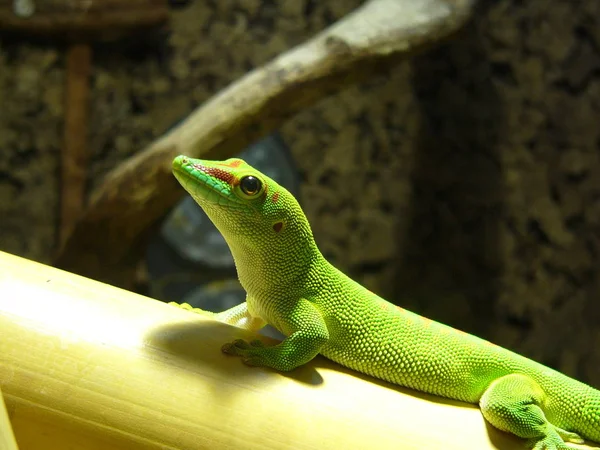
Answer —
250 185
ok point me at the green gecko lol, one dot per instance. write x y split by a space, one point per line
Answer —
291 286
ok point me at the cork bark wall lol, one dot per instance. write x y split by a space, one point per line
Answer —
464 184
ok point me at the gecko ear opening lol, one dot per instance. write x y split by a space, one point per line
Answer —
277 227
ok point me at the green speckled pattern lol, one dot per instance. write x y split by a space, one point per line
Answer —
291 286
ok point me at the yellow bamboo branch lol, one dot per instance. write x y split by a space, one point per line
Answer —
85 365
7 438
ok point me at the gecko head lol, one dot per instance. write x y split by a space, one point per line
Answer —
243 202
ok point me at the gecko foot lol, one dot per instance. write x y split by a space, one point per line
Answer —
554 442
251 352
569 436
189 307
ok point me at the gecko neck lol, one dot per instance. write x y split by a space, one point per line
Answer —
279 268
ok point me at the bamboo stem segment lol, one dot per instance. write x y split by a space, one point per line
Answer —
7 438
86 365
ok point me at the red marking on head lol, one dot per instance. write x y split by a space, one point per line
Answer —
219 174
277 227
275 197
234 164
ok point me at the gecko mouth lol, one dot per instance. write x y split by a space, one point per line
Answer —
203 183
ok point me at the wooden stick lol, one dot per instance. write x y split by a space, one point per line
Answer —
74 156
85 365
107 242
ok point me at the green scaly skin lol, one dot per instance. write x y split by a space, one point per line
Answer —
290 285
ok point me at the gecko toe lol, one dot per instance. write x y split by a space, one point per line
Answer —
236 347
550 443
253 361
569 436
240 347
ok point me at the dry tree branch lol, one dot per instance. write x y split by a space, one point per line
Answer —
105 244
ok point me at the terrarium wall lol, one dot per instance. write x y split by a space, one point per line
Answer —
464 183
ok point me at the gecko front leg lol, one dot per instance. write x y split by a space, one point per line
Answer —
308 334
